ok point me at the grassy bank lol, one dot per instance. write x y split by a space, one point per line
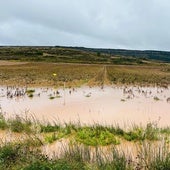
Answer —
91 135
19 156
84 147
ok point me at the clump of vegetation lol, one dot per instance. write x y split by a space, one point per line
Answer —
58 96
16 125
165 130
49 128
88 95
76 156
3 122
150 132
94 136
30 93
18 156
51 138
90 135
26 154
8 154
136 133
151 156
20 125
51 97
156 98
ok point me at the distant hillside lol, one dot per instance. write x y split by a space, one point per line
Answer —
146 54
82 55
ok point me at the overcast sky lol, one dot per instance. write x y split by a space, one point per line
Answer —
130 24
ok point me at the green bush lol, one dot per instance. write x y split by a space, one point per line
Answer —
8 154
49 128
135 134
94 137
3 123
19 125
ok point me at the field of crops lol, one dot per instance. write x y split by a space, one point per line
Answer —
50 74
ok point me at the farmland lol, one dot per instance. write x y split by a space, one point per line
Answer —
41 74
88 90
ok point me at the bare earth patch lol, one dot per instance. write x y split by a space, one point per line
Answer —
8 63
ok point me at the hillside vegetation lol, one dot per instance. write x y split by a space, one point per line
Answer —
82 55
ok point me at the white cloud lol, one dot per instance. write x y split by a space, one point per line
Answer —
133 24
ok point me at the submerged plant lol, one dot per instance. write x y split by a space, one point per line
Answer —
30 91
51 97
30 95
156 98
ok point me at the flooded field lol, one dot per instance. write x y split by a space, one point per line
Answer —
109 105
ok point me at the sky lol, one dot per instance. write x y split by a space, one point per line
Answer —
125 24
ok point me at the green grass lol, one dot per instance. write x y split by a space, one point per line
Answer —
152 156
93 135
3 122
16 125
16 156
137 133
49 128
20 125
165 130
51 138
86 149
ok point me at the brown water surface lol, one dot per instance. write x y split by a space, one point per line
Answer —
110 105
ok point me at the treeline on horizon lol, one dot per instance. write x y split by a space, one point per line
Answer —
82 55
145 54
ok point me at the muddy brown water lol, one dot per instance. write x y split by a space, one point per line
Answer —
110 105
